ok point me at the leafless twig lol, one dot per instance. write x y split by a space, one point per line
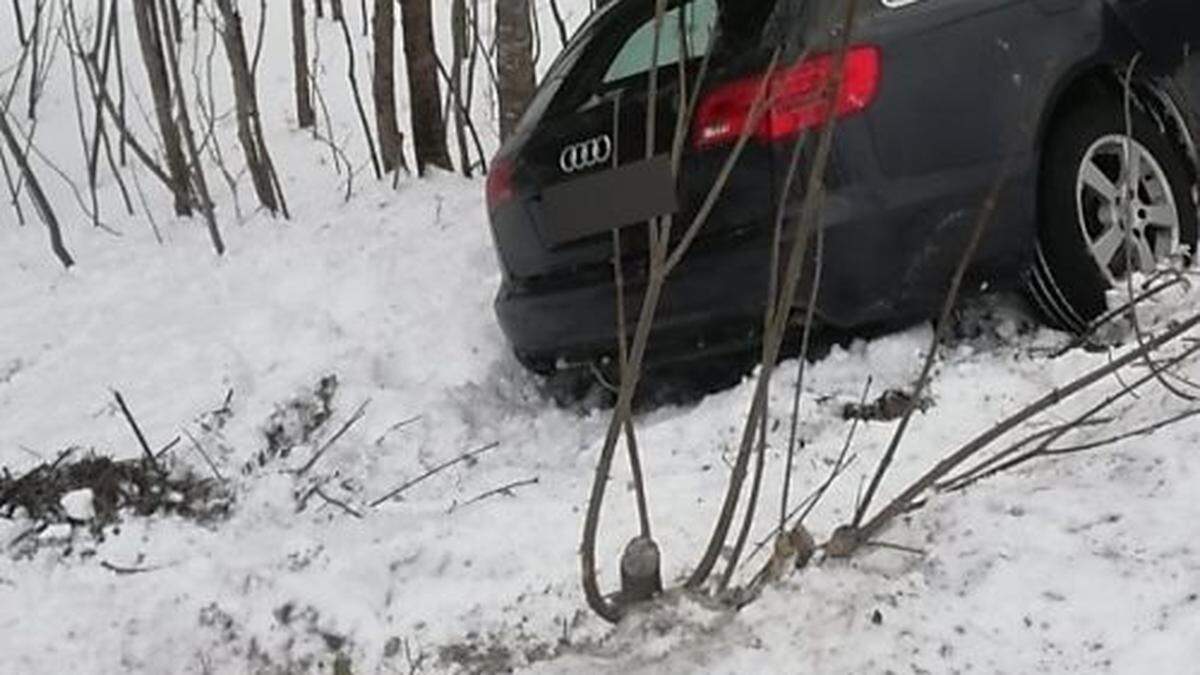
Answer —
943 324
1013 457
508 490
358 415
904 501
466 457
137 431
396 427
207 460
337 502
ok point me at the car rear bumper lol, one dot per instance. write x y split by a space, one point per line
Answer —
888 256
709 304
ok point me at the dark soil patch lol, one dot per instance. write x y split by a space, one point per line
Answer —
891 405
296 422
493 654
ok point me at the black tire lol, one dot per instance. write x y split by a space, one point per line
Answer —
1065 282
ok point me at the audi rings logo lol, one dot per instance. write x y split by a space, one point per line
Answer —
590 153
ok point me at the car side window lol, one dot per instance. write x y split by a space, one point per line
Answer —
691 24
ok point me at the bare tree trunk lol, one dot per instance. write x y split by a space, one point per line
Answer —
351 75
120 54
14 197
383 85
305 115
103 49
429 127
69 22
150 39
514 62
459 33
176 20
22 37
199 181
34 53
36 195
563 36
249 122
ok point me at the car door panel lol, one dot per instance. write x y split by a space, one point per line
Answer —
959 78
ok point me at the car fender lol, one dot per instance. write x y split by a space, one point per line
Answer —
1108 61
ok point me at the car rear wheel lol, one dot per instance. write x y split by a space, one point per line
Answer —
1112 204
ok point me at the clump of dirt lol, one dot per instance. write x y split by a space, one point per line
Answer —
991 321
142 487
493 653
477 658
891 405
295 422
295 644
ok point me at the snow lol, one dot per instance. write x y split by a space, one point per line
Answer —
1085 563
79 505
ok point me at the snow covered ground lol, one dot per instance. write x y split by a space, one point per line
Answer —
1087 563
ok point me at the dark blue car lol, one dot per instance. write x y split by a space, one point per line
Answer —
940 98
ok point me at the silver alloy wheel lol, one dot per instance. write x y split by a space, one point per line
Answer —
1126 208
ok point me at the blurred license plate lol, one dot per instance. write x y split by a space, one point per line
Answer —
608 200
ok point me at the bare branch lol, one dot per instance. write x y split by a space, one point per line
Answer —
354 418
466 457
908 497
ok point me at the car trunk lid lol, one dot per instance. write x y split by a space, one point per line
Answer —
580 165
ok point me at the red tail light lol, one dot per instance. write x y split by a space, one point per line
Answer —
499 184
796 98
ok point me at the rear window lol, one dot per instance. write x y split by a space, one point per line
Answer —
687 32
615 46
